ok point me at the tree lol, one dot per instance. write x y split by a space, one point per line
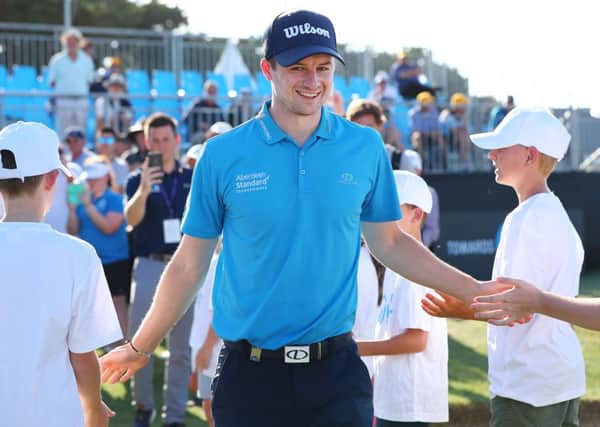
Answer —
95 13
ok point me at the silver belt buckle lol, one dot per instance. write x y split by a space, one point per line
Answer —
296 354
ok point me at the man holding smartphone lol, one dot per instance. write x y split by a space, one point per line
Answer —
156 198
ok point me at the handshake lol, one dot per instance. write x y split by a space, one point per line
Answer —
506 302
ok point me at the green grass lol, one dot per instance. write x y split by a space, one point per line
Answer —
468 385
118 397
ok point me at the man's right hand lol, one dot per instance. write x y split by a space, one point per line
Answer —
150 175
121 364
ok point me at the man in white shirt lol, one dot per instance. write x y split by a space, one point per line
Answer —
70 72
536 370
56 314
411 374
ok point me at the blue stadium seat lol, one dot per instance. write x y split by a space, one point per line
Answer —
242 81
164 83
402 122
221 82
263 86
24 76
139 84
340 84
192 83
40 105
359 86
23 79
3 76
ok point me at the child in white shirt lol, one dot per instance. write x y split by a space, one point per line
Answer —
411 374
536 370
56 308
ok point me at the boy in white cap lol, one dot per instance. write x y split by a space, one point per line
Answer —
55 309
411 377
536 370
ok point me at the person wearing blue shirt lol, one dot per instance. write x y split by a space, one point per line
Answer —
290 192
99 220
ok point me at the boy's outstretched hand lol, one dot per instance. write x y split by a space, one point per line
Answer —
439 304
513 305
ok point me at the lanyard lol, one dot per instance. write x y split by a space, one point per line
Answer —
170 201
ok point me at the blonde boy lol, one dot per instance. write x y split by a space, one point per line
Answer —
536 370
55 309
411 376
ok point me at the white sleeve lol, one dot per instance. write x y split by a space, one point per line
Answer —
366 307
94 321
209 282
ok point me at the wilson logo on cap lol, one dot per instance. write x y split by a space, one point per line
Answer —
307 28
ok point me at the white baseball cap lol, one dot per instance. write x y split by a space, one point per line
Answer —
413 190
531 127
220 128
411 161
195 151
595 111
94 170
29 149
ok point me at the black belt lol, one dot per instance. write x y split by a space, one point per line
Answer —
293 353
160 257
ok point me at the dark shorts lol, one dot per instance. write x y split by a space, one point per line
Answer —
332 392
512 413
118 276
387 423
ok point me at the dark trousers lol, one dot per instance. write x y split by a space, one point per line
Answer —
334 392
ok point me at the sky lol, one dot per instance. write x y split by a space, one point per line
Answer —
544 53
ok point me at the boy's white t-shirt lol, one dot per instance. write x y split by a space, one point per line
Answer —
366 307
410 387
203 314
54 300
540 362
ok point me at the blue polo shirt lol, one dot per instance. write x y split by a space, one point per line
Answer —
290 218
110 247
169 202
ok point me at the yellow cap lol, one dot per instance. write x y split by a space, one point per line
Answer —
425 98
459 99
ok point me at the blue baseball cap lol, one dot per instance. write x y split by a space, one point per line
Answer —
292 36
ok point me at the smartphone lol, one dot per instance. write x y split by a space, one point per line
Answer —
155 159
74 191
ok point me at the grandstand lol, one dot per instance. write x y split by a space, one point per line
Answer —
165 72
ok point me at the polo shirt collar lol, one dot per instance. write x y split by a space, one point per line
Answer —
272 133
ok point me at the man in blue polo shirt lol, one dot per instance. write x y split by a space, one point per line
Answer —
290 191
155 203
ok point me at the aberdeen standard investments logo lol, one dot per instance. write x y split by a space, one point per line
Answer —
250 182
306 28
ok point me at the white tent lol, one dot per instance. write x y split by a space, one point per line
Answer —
231 63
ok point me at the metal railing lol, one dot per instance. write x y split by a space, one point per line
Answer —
40 106
34 45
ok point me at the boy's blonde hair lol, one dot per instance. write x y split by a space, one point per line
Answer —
547 164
